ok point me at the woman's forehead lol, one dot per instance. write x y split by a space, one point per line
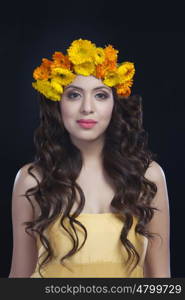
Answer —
87 82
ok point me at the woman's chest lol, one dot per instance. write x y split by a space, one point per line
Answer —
98 191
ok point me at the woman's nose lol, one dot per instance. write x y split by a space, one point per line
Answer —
87 103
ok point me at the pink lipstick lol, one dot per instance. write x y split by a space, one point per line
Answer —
86 123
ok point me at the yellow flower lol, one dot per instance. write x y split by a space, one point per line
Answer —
63 76
45 87
81 51
129 82
85 69
83 57
99 56
111 78
125 71
56 85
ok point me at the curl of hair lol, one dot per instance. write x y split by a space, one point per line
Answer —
125 159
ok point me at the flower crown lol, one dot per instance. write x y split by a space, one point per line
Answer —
84 58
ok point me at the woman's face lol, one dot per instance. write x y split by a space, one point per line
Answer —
86 98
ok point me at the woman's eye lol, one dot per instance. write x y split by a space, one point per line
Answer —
71 94
102 94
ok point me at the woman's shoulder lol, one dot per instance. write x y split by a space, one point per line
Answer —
154 172
26 178
23 182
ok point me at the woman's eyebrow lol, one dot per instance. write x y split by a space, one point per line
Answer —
81 89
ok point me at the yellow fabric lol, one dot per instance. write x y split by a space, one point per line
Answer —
103 254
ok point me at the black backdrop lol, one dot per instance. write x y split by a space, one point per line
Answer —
151 37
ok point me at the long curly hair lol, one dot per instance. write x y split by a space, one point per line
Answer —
125 159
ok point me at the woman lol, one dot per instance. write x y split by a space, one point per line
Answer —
94 202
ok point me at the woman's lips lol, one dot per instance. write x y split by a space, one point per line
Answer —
86 125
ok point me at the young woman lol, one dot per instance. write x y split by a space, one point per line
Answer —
94 202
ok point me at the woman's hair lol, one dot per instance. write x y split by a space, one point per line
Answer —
126 158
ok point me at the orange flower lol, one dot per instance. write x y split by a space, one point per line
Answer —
106 66
60 60
100 71
43 72
46 63
111 53
123 90
83 57
58 56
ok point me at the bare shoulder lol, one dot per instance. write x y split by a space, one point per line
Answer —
155 172
25 178
23 182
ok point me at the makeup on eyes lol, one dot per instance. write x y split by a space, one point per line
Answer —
101 90
105 94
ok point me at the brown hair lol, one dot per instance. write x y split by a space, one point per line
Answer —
125 159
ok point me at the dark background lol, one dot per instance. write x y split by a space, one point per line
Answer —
150 36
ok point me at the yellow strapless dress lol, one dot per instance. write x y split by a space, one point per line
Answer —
102 255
